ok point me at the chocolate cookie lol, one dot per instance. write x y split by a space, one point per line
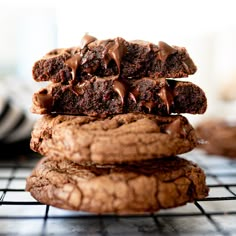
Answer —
122 138
102 58
134 188
219 137
103 97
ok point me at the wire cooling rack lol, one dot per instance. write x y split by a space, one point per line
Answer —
20 214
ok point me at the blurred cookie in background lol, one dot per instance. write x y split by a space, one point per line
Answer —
217 137
217 134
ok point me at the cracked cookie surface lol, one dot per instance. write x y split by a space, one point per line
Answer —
138 187
122 138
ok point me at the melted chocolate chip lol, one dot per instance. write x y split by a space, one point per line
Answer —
131 95
114 50
166 95
43 100
134 95
102 43
176 129
87 39
78 89
149 105
135 92
120 88
165 50
73 63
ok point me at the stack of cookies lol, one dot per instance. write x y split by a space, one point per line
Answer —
111 128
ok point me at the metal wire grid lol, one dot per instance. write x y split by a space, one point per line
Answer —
20 214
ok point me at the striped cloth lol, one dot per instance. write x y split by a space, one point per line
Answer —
15 124
16 121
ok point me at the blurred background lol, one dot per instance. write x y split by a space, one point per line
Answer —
29 29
